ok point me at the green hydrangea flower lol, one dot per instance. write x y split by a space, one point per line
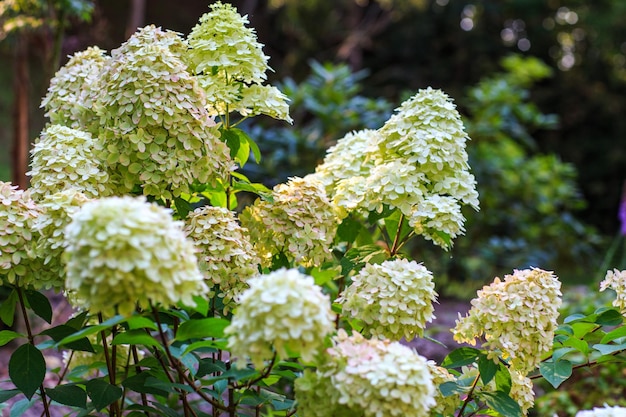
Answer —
393 299
69 98
281 312
153 120
64 158
123 252
517 317
300 223
226 257
371 378
18 261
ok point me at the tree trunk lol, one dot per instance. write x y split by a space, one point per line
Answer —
137 16
20 114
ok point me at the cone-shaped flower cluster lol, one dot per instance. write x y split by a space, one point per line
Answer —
369 378
416 163
69 100
124 252
616 280
226 258
300 223
18 213
231 65
153 120
517 317
63 159
282 313
605 411
393 299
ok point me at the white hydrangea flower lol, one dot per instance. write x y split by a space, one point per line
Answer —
282 313
300 223
18 213
231 66
517 317
445 406
226 256
393 299
153 120
58 210
438 218
371 378
605 411
616 280
123 252
69 98
64 158
522 390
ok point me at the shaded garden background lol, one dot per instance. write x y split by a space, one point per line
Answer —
573 114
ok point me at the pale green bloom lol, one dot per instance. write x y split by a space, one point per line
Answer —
393 299
522 390
438 218
123 252
300 223
517 317
18 213
371 378
282 313
445 406
616 280
153 120
605 411
69 98
64 158
58 210
226 256
231 66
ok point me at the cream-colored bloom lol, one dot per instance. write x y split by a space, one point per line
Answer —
605 411
123 252
65 158
371 378
522 390
18 213
69 98
58 210
226 258
282 313
517 317
616 280
300 223
153 120
393 299
445 406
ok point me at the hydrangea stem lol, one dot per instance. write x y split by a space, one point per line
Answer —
469 396
109 358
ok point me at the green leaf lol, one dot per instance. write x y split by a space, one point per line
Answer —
255 150
614 334
555 372
7 335
62 331
503 379
87 331
487 368
574 318
502 403
610 317
239 144
21 406
8 394
140 322
183 207
102 393
139 383
349 229
27 369
452 388
582 328
71 395
136 337
609 349
40 305
577 344
7 309
203 328
560 352
461 357
202 305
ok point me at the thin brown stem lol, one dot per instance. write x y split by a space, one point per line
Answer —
396 240
469 395
114 409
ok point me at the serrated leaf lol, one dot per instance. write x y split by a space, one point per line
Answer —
487 368
461 357
136 337
40 304
7 335
7 308
102 393
502 403
203 328
71 395
27 369
556 372
609 349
